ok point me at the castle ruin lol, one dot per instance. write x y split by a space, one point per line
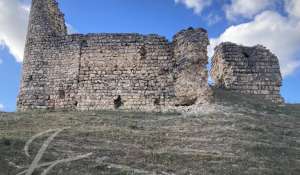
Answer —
131 71
247 70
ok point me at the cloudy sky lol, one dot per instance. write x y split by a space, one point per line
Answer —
273 23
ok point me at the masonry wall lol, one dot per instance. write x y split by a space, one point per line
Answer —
190 53
249 70
128 71
111 71
133 71
45 30
108 71
63 78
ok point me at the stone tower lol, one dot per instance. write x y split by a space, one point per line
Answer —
46 23
248 70
46 20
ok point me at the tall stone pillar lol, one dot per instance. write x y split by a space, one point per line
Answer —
190 52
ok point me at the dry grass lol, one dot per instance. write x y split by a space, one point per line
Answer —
246 140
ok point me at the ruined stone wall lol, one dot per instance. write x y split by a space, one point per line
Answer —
46 20
133 71
128 71
63 75
50 74
250 70
190 53
108 71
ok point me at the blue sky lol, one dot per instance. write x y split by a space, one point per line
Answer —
273 23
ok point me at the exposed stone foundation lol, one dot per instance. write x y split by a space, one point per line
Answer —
249 70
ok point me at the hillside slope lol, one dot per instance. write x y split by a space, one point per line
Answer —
246 136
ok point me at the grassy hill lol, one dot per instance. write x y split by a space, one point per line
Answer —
242 135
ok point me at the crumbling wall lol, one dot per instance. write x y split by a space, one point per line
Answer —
46 20
133 71
108 71
126 71
190 53
249 70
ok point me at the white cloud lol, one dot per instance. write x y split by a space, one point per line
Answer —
1 107
246 8
71 29
213 19
13 24
196 5
14 16
278 33
293 8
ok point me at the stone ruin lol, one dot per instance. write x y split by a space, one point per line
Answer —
247 70
132 71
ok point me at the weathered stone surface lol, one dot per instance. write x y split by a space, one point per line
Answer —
190 52
133 71
250 70
108 71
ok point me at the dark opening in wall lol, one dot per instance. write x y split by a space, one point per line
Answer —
246 54
84 43
30 78
157 102
249 59
251 64
118 102
187 102
75 103
143 52
61 94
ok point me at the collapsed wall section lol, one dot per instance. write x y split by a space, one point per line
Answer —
249 70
